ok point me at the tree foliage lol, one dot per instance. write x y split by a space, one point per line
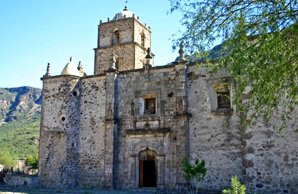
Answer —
6 158
20 138
259 48
194 174
32 161
236 187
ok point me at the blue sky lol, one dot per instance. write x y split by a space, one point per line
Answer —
35 32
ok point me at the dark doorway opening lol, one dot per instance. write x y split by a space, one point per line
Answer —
148 170
149 175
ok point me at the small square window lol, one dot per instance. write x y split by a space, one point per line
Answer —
150 106
222 96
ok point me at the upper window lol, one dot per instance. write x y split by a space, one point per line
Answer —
117 63
223 96
223 100
150 106
147 105
116 37
143 39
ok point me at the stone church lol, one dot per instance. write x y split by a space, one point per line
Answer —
131 124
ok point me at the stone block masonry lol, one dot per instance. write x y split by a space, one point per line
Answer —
130 125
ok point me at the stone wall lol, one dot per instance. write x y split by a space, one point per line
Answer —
264 159
163 132
106 30
94 129
59 131
140 49
12 179
140 29
271 157
124 53
140 54
91 140
215 136
97 131
129 50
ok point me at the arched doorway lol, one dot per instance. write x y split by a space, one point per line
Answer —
148 168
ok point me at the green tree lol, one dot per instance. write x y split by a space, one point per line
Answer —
236 187
194 174
259 49
32 161
6 158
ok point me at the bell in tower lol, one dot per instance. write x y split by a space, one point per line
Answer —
126 38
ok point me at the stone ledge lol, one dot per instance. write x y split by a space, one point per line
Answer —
222 112
183 115
140 132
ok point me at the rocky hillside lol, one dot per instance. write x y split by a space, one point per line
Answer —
19 103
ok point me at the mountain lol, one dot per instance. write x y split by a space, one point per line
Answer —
19 103
20 110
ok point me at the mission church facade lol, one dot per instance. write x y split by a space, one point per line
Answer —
131 124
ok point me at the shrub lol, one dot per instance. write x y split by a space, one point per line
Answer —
194 174
32 161
236 187
6 158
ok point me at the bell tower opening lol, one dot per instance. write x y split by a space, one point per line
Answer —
148 168
143 39
116 37
125 35
117 63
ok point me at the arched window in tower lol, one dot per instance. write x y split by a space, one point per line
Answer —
117 62
116 37
143 39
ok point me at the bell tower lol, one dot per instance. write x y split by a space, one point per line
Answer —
124 40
